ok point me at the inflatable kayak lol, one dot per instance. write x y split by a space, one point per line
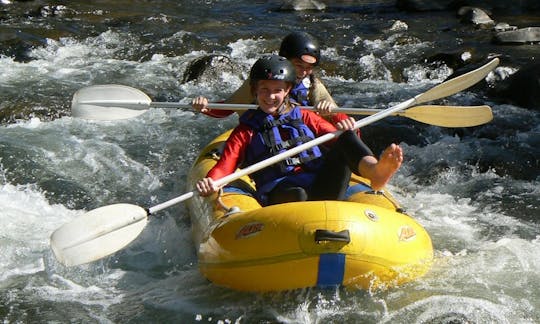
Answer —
365 242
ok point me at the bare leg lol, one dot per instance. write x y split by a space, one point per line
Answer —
380 172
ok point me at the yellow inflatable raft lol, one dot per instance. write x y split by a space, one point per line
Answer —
364 242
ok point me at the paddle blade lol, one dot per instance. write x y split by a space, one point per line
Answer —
98 233
98 102
457 84
449 116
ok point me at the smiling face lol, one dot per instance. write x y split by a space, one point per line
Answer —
302 68
271 94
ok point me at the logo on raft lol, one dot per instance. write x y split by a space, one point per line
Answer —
406 233
371 215
249 230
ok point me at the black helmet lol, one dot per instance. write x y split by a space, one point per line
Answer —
297 44
273 67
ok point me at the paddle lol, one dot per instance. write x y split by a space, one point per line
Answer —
107 229
113 101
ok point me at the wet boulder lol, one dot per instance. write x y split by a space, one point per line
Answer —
16 49
299 5
521 88
454 60
209 68
398 26
24 110
518 36
503 26
393 130
18 44
475 16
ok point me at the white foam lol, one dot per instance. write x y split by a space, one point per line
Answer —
418 73
68 58
62 289
27 221
246 48
448 308
374 68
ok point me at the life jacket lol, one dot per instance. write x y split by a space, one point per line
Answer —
300 92
267 141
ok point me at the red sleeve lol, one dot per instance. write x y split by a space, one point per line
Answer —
219 113
338 117
316 123
321 126
233 152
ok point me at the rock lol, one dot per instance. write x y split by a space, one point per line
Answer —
502 26
398 26
454 60
208 68
466 10
393 130
499 74
299 5
476 16
17 49
521 88
518 36
18 44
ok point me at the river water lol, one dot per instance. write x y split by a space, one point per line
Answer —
475 190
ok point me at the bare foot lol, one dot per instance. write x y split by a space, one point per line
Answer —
388 164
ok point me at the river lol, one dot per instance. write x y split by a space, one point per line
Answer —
475 190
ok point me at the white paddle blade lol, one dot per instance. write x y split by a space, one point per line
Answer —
134 102
98 233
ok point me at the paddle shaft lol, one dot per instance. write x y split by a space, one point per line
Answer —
444 116
215 106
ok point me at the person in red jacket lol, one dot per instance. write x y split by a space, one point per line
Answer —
303 50
278 124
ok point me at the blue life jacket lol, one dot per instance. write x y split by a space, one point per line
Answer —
300 92
267 142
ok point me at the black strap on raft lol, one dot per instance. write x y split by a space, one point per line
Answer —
326 235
